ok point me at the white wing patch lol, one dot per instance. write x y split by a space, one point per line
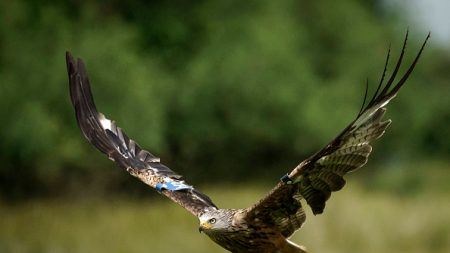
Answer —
106 123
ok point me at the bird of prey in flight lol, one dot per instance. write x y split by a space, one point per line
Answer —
266 225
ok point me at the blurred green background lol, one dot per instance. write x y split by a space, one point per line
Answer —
232 94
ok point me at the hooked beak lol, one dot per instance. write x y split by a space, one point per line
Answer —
203 226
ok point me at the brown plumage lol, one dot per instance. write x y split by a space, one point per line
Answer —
265 226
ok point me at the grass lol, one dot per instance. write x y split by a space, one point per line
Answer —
356 219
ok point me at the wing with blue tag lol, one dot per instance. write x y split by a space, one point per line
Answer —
107 137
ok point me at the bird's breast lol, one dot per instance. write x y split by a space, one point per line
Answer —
248 239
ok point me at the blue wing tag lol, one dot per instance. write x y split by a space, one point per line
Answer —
286 179
172 185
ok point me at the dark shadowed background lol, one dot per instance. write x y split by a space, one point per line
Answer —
231 94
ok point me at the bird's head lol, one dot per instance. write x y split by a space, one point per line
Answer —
215 220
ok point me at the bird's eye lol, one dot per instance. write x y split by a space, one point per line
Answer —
212 220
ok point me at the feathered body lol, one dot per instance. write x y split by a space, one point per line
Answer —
232 231
265 226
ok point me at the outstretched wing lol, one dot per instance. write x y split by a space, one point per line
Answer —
112 141
315 178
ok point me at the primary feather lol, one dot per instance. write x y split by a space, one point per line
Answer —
107 137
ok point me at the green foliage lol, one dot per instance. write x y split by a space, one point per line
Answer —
232 87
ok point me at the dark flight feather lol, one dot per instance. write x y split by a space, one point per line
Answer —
317 177
107 137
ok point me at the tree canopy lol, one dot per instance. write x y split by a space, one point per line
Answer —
215 88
